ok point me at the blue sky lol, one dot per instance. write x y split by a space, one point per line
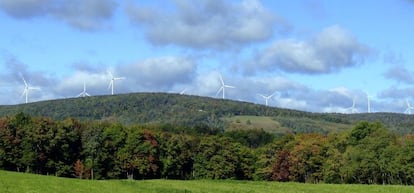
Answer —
316 55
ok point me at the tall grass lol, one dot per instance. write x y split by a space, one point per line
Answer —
11 182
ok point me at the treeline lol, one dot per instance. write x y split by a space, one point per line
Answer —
368 154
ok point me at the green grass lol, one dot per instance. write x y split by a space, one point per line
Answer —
275 124
11 182
255 122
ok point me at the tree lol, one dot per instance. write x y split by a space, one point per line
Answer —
366 160
114 136
336 146
267 155
214 159
306 158
79 169
140 156
176 155
92 149
281 167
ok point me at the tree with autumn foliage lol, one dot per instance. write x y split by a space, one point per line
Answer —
139 157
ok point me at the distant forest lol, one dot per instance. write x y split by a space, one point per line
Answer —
191 111
369 153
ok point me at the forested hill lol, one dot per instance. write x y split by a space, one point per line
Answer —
185 110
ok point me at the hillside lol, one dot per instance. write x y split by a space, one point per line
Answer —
185 110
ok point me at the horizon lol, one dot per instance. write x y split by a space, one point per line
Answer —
316 55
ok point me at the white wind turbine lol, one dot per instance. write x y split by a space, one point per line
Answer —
368 103
183 91
267 97
83 93
27 88
409 108
353 109
112 82
223 87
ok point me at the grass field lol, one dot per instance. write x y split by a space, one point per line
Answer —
11 182
274 124
255 122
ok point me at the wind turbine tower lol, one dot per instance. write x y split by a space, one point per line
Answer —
409 108
368 103
83 93
267 97
26 89
223 87
112 82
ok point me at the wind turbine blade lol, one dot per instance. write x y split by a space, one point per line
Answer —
25 83
80 94
262 95
221 79
353 103
87 94
33 88
119 78
110 84
24 92
110 74
228 86
183 91
272 94
220 89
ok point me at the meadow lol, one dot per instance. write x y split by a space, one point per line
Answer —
12 182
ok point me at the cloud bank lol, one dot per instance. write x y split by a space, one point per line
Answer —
87 15
207 24
329 51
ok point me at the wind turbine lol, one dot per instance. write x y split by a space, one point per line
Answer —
26 89
352 108
368 103
409 108
112 82
223 87
267 97
183 91
83 93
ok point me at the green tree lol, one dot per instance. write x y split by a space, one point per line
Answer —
307 157
139 157
176 155
215 159
114 136
366 160
92 140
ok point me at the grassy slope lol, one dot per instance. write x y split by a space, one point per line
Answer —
255 122
11 182
274 125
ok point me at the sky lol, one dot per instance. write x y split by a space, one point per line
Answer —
312 55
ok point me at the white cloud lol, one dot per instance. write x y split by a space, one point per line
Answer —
207 24
85 15
400 73
159 73
329 51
